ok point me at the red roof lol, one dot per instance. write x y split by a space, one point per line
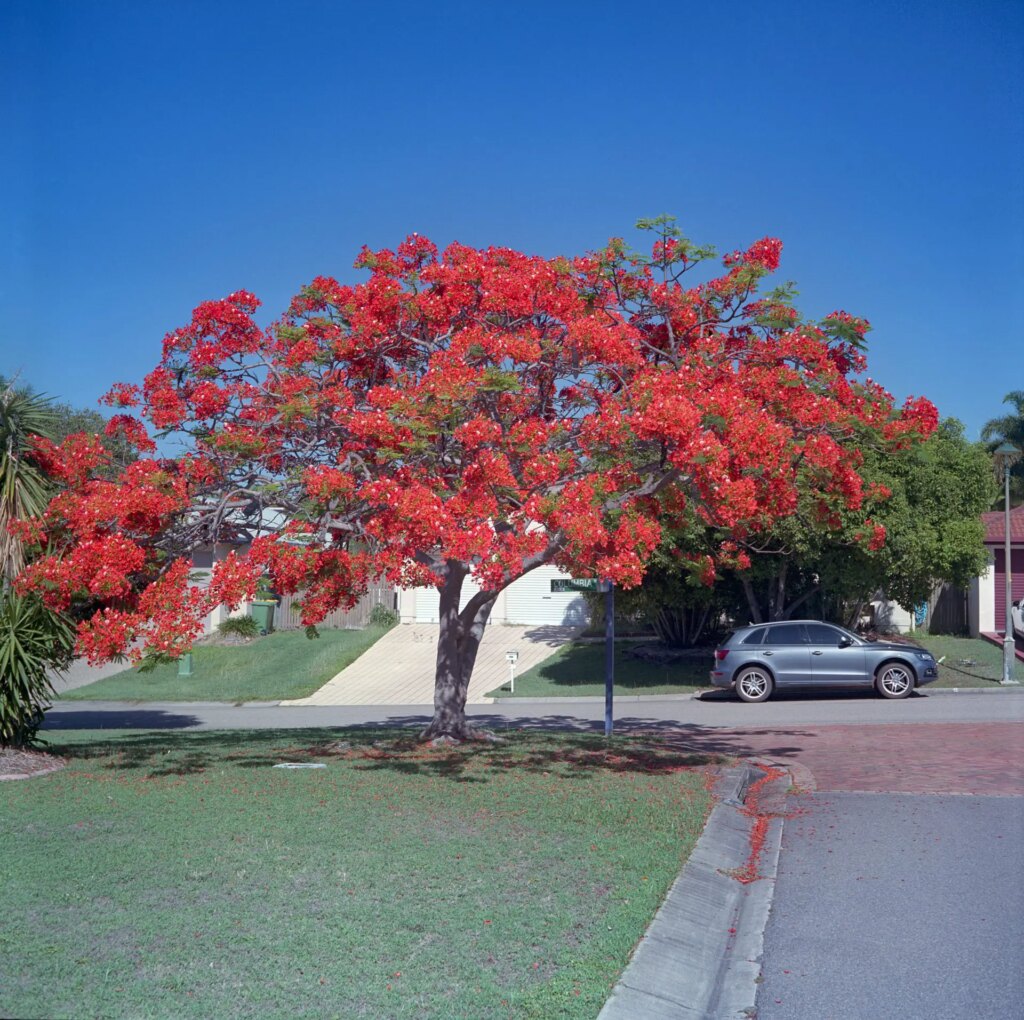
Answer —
995 533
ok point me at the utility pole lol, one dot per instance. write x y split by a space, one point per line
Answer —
1006 455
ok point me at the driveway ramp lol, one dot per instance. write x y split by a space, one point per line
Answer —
399 668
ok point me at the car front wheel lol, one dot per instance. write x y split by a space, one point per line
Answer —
753 684
894 680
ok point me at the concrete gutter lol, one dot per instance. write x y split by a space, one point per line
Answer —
701 956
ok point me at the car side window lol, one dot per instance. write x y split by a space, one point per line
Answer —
822 634
786 634
755 637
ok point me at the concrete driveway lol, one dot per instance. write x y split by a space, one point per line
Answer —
80 674
399 668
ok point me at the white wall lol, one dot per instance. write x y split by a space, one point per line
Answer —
529 598
202 566
983 600
891 616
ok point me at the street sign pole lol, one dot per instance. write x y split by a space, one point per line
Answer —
609 653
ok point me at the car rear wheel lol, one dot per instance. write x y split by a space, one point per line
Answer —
894 680
753 684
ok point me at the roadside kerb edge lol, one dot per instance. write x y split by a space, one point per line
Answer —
701 955
698 696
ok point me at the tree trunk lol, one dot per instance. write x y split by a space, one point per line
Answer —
777 594
854 618
800 601
680 627
670 626
752 603
457 646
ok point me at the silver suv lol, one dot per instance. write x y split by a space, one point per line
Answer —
806 653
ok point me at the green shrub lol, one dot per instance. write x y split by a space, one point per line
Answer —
243 626
33 640
381 616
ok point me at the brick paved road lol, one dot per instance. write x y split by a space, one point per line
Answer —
969 758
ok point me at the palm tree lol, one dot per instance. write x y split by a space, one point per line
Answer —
1009 428
24 489
33 638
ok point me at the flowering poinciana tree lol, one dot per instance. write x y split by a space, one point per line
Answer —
469 413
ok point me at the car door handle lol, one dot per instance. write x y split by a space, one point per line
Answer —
819 652
767 653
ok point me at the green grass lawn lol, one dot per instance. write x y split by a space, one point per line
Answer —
987 668
280 666
578 670
179 875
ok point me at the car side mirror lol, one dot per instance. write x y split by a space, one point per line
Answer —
845 642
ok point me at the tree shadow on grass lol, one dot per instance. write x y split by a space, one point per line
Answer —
585 667
559 745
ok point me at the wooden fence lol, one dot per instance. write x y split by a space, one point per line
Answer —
287 616
947 610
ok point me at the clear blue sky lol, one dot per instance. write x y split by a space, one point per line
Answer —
157 154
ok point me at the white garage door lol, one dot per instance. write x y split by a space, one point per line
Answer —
428 601
530 601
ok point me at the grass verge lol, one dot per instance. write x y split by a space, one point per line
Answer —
279 666
970 662
577 670
179 875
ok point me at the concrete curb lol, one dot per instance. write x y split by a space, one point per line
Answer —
696 696
974 690
588 699
701 956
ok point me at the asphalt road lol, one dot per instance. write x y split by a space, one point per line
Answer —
710 710
897 905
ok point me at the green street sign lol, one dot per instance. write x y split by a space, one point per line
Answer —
564 584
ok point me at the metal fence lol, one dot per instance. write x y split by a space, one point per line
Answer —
287 615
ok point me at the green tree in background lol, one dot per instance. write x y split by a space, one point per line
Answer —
673 600
66 420
933 534
1009 428
807 567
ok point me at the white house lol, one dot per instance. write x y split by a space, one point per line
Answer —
529 600
203 560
